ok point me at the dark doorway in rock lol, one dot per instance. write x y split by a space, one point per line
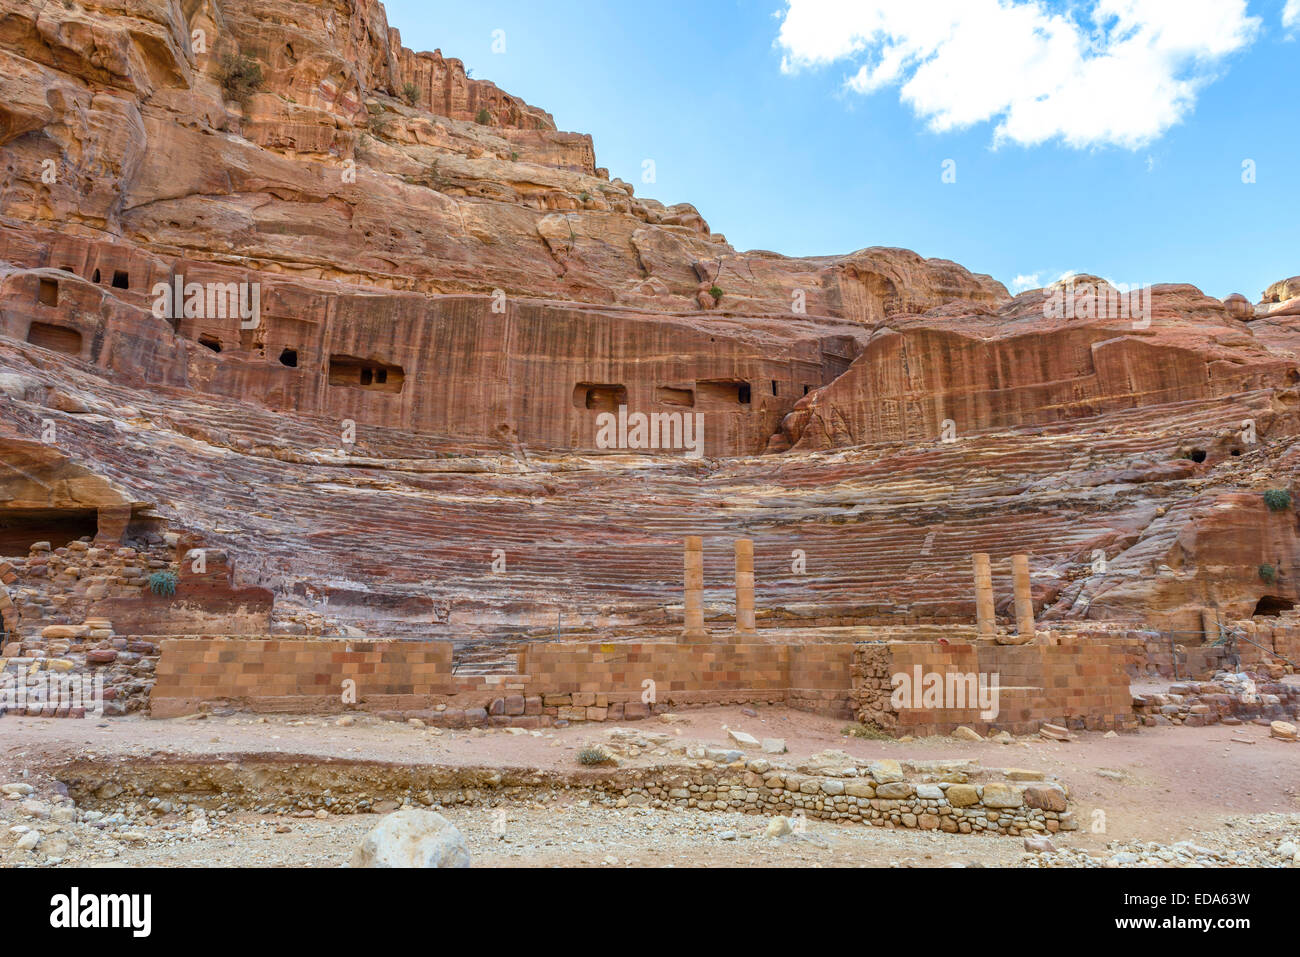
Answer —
20 529
289 357
1270 606
210 342
121 279
1198 455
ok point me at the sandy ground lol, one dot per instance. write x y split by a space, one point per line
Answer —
1160 785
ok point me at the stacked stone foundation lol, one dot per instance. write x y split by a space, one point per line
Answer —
957 798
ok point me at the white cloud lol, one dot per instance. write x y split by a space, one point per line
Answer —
1116 72
1022 283
1291 14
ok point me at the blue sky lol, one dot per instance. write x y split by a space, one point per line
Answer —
1093 162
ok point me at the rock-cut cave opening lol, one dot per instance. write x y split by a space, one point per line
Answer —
20 529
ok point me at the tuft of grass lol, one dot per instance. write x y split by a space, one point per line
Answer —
240 77
592 756
1277 499
484 118
163 583
410 93
868 731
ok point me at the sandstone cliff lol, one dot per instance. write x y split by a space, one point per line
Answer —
452 291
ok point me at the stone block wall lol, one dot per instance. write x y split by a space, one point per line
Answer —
556 681
1077 685
298 676
821 679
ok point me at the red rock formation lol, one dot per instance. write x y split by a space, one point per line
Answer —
1018 367
470 297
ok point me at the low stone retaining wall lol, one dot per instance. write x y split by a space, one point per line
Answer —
939 796
1228 700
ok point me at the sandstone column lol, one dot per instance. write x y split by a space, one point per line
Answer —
745 627
985 613
694 630
1024 597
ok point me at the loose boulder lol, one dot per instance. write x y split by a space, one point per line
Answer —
412 839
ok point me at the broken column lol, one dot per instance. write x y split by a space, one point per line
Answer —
985 613
1024 597
694 627
745 626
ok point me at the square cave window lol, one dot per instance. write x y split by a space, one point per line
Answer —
599 398
368 374
685 398
121 279
721 393
48 293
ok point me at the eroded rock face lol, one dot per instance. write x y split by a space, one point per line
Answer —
451 292
949 373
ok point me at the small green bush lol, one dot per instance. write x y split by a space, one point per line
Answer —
717 293
868 731
1268 573
1277 499
240 77
410 93
592 756
163 583
484 118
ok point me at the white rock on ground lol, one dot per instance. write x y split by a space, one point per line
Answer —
743 739
412 839
778 827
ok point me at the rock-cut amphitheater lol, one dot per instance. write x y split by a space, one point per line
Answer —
308 342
